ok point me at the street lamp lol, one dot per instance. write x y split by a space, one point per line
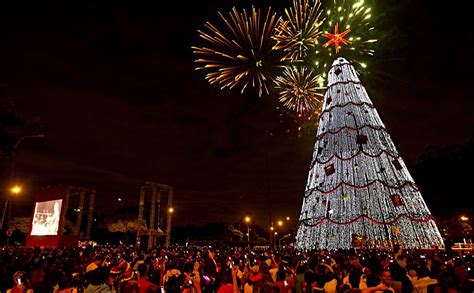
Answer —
16 189
464 218
247 220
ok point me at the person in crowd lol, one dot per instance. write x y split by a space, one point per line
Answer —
145 285
21 283
384 286
399 273
97 262
229 282
422 280
98 281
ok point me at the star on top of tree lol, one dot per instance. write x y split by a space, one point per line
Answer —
337 38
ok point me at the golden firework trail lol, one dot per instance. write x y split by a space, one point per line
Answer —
241 53
299 32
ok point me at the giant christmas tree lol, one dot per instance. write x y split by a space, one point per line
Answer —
359 192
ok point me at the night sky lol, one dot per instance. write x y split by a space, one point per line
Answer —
114 87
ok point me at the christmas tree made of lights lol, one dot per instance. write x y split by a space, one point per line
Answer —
359 192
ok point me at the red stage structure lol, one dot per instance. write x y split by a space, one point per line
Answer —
57 216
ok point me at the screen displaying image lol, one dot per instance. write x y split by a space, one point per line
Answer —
46 218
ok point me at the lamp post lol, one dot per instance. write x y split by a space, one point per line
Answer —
247 220
280 224
168 226
14 190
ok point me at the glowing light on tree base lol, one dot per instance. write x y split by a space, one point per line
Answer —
359 191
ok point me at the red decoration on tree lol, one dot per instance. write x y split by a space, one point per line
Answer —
396 200
361 139
336 38
329 169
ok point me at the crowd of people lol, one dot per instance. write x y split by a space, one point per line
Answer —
231 269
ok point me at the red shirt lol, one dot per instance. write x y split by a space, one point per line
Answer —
227 288
147 286
285 288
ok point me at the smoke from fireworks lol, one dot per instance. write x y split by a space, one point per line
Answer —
241 53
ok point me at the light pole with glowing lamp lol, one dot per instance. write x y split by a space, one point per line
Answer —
15 189
247 221
168 226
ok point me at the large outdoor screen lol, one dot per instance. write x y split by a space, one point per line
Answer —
46 218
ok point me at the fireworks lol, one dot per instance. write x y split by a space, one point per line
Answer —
353 16
250 50
299 33
300 89
241 55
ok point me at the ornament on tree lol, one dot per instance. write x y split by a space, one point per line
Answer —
396 200
329 170
395 230
361 139
358 241
345 197
397 164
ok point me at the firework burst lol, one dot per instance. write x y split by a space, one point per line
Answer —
299 32
355 18
240 55
300 89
